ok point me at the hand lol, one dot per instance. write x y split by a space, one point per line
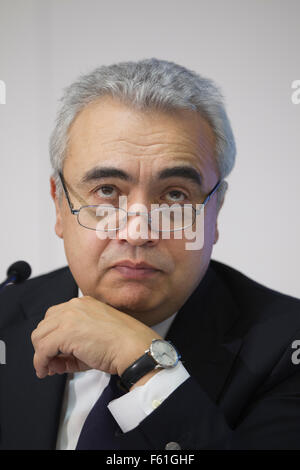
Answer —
85 333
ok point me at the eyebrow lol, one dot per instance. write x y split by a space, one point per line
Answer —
181 171
107 172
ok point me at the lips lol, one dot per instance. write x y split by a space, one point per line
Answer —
130 270
132 265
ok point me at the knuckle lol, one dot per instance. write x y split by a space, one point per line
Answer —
35 361
33 336
40 348
50 311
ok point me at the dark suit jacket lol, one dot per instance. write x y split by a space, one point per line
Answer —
235 339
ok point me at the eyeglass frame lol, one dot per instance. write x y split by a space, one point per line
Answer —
76 211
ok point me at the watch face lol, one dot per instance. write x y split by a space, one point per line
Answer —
164 353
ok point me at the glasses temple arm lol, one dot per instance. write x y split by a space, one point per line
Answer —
212 192
66 193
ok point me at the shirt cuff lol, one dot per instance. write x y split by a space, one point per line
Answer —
130 409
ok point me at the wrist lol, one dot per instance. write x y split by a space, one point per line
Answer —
160 355
132 355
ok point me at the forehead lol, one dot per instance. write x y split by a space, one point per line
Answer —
109 132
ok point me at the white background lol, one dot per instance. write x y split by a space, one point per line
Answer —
251 48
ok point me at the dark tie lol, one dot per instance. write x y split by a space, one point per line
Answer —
100 427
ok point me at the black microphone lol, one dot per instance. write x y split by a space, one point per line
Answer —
17 272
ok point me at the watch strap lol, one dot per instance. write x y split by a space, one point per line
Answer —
138 369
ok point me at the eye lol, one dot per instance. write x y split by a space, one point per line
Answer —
106 191
176 194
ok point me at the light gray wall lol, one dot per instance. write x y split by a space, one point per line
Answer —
249 47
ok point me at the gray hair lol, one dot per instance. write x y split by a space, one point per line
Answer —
149 83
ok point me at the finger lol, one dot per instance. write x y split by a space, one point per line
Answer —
58 315
59 364
53 311
66 364
45 350
44 328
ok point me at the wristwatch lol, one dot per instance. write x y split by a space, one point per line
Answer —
161 354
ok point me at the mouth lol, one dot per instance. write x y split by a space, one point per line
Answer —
130 270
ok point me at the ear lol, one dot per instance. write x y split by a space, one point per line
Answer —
58 208
216 234
216 227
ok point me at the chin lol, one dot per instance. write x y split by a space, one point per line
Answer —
129 299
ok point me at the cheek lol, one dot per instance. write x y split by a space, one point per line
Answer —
190 263
83 247
187 262
209 228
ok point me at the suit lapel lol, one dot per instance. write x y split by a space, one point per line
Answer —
30 411
202 332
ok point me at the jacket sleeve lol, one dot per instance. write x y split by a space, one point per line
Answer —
188 417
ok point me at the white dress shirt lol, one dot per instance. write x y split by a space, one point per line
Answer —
84 388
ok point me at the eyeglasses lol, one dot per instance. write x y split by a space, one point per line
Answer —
106 218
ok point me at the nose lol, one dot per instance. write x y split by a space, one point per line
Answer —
137 230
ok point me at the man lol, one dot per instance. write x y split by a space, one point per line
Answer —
151 132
